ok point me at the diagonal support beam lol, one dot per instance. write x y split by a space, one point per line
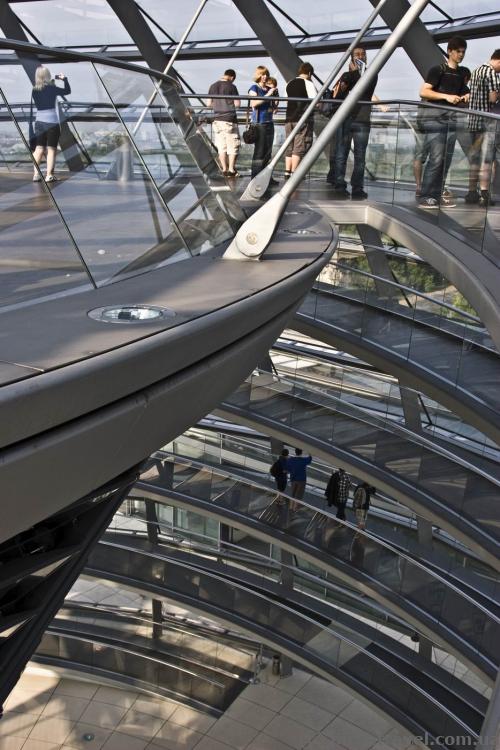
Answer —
417 42
267 29
256 233
135 24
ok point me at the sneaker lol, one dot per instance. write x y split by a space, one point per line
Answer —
472 197
287 176
37 178
428 203
51 178
359 195
447 202
485 199
340 194
272 181
447 194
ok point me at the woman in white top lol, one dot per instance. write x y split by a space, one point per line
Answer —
47 128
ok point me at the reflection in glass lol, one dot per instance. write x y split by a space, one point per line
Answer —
38 256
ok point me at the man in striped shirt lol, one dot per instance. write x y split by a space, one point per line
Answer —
484 93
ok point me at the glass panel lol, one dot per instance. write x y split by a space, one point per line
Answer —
72 22
130 227
163 149
38 256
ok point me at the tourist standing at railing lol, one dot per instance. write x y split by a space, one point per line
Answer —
272 83
338 94
225 123
484 95
361 502
301 87
356 130
47 128
444 84
297 469
337 491
279 470
262 118
422 149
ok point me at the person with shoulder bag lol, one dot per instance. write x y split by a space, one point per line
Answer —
279 470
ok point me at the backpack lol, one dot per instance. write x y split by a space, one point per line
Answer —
276 470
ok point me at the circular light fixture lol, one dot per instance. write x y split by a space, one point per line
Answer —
88 736
130 314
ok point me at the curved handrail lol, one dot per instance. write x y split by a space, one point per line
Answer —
258 559
366 103
362 532
435 618
411 290
429 502
74 56
167 622
290 611
172 537
384 514
253 569
56 629
414 437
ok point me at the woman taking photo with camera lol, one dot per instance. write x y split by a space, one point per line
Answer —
47 128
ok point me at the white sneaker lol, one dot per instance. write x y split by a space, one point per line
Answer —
51 178
37 178
428 203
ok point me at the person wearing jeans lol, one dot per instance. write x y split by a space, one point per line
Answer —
359 134
355 129
440 139
262 118
444 84
263 148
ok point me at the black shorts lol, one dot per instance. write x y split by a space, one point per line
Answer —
47 134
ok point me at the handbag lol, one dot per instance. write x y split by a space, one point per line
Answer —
31 129
250 132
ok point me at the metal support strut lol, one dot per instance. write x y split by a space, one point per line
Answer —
256 233
259 184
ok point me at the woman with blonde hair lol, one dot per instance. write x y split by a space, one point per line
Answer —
262 117
47 128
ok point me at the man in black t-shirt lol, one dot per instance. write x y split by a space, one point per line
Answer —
444 84
301 87
225 124
355 129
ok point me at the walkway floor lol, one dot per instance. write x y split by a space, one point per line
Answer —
301 712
